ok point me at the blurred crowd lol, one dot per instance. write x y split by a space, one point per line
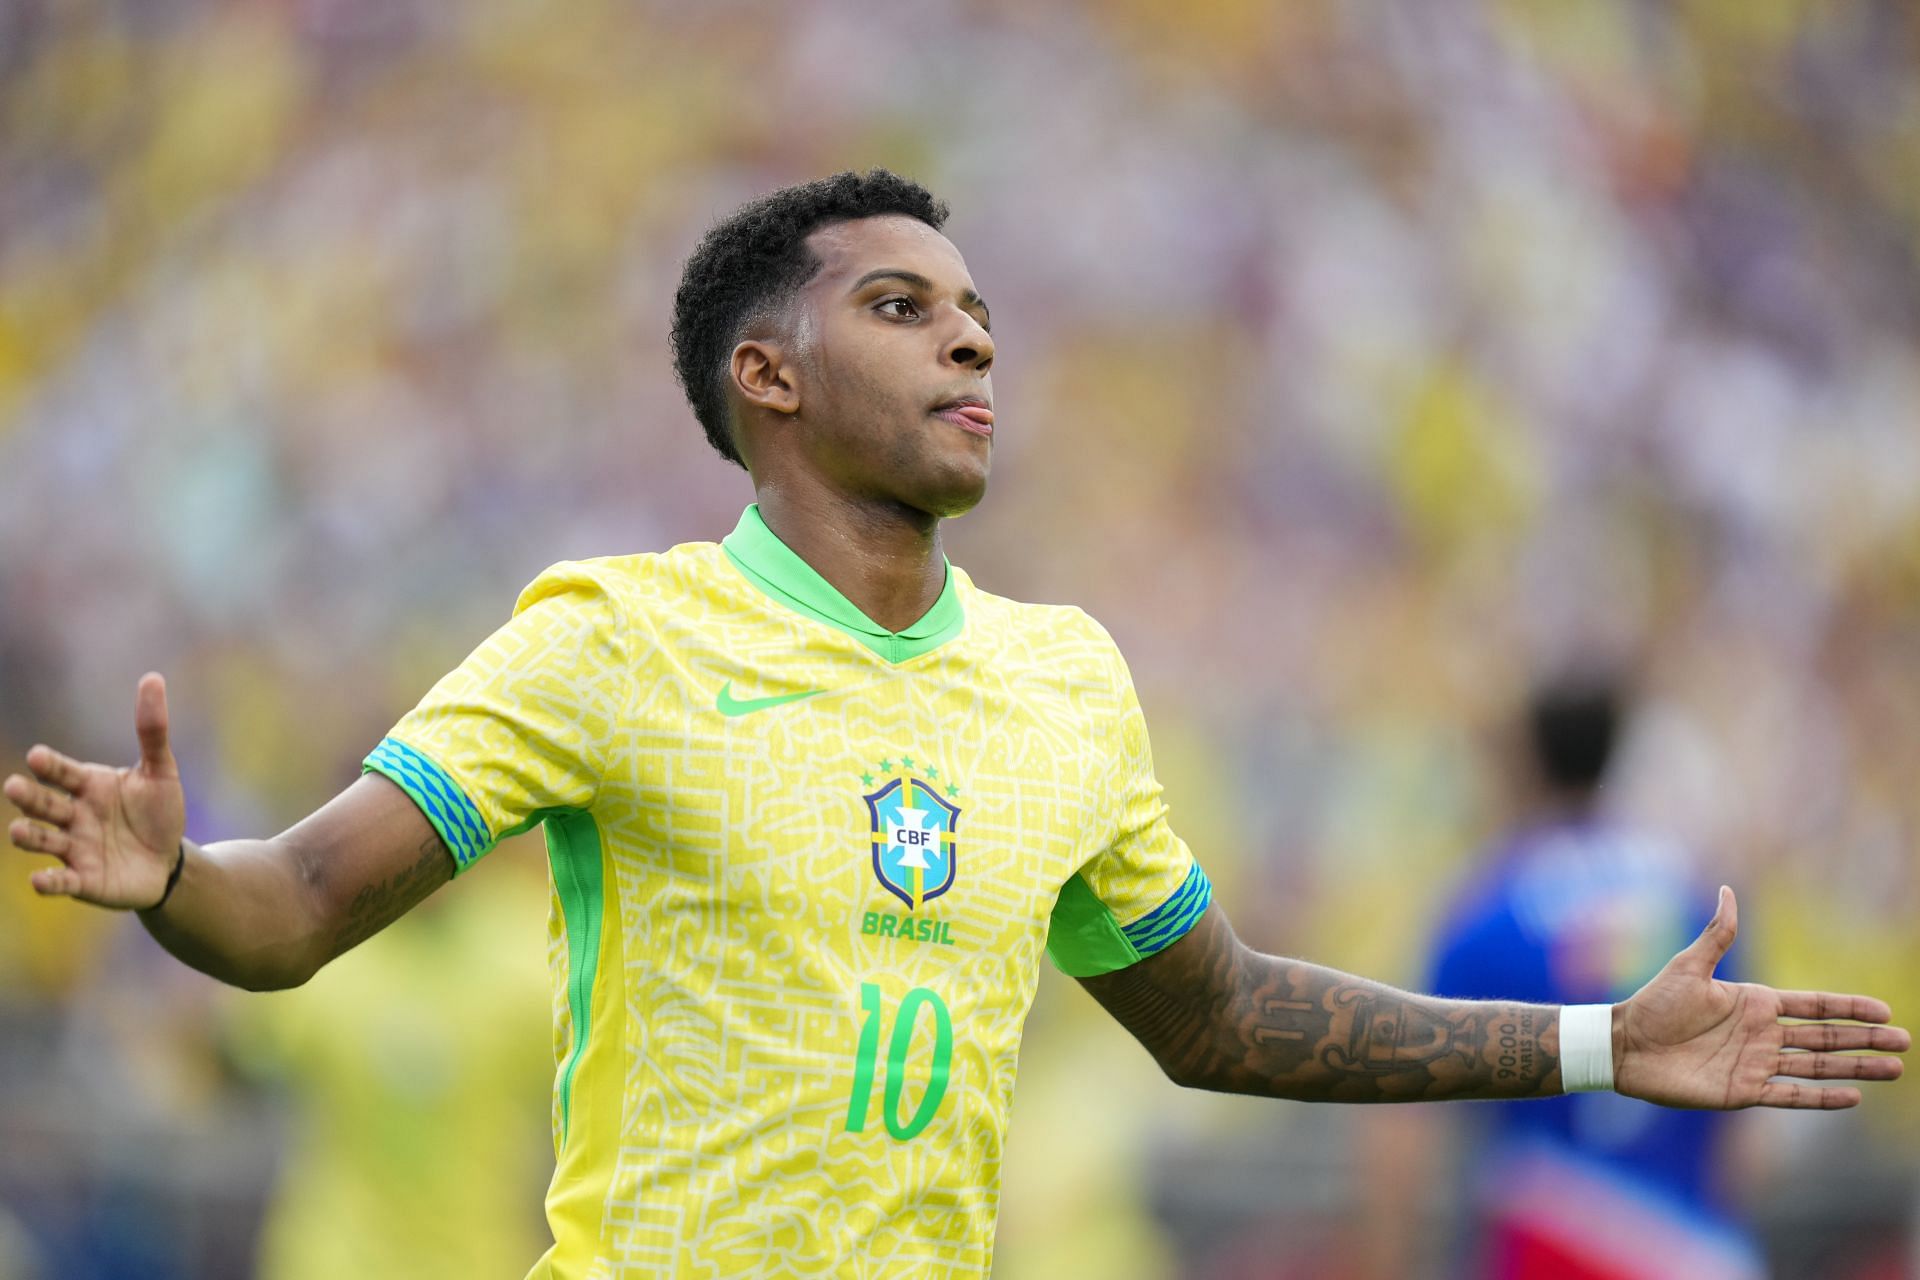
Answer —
1357 361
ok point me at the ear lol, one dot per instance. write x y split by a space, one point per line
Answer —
763 377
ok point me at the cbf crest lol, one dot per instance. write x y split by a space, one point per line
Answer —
914 825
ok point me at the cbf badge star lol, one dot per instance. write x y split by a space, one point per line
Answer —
913 835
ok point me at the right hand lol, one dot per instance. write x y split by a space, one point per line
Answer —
116 832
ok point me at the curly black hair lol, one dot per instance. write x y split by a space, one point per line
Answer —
1573 722
756 260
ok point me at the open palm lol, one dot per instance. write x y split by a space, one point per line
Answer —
1687 1039
116 832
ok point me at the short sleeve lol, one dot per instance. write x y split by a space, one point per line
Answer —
1143 890
522 727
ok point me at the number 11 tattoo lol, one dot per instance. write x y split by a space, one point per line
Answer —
1220 1016
1347 1039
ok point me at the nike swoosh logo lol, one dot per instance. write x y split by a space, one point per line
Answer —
728 705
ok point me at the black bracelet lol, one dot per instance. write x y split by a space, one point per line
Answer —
173 878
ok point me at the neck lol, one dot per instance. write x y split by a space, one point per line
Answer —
882 556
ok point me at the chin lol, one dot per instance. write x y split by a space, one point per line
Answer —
960 506
940 482
956 493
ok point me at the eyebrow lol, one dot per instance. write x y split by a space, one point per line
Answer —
968 298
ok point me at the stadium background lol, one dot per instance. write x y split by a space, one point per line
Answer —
1355 360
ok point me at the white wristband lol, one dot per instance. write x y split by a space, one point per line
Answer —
1586 1048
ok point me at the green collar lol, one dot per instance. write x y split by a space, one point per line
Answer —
776 569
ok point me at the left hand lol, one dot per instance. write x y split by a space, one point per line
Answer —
1688 1040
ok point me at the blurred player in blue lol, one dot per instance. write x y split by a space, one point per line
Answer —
1570 907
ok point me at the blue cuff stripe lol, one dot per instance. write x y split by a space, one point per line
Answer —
439 797
1167 923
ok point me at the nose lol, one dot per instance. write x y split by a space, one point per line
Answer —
971 346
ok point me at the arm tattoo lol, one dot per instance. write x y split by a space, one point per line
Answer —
378 905
1219 1016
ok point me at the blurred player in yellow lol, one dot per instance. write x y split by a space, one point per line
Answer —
815 805
388 1056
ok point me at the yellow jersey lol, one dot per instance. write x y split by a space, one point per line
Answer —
803 871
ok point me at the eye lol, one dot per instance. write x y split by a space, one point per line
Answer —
910 309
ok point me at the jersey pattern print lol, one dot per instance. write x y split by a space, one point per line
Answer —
803 872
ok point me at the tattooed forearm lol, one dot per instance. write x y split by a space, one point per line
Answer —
1302 1031
1218 1016
268 914
1518 1058
378 905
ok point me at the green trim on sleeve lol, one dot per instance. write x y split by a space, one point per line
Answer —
574 853
1083 938
442 799
777 570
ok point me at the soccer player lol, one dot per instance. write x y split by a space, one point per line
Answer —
815 804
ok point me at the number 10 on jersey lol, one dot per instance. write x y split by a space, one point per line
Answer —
898 1044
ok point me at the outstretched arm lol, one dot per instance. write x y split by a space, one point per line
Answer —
259 914
1217 1015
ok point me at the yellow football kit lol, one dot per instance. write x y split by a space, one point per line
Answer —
803 872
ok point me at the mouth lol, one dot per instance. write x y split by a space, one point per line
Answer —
969 413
